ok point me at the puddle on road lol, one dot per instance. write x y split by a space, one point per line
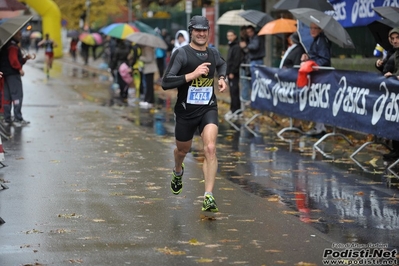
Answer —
351 203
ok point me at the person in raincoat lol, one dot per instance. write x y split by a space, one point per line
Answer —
182 38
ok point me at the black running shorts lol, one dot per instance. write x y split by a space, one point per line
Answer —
185 129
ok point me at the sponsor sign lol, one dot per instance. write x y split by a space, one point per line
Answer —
359 101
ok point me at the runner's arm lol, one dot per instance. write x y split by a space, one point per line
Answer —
170 79
221 65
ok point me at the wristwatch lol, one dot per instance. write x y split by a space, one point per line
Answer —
222 77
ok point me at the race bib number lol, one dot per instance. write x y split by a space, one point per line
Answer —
199 95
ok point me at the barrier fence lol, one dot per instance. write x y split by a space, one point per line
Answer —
357 101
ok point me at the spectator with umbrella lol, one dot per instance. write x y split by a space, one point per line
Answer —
11 63
324 29
320 53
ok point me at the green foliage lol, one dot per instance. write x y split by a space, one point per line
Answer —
100 10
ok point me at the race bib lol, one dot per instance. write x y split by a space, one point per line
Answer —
199 95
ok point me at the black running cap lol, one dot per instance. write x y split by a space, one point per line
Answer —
199 23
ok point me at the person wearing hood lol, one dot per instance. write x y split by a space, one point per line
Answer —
233 74
181 39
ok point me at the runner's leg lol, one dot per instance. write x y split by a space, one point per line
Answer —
180 152
209 135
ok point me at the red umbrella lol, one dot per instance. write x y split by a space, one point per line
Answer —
11 5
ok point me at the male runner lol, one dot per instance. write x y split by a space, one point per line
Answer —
49 45
191 70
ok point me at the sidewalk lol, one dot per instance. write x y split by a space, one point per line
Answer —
87 186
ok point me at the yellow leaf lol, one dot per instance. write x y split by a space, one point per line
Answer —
169 251
373 162
135 197
271 149
203 260
194 242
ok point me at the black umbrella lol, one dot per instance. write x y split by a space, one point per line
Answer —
388 12
10 26
331 28
256 17
380 30
321 5
73 34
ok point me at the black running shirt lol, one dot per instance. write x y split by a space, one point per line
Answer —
196 97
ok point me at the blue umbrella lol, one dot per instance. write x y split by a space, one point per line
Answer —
304 35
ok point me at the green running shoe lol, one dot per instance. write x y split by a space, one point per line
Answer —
177 184
209 204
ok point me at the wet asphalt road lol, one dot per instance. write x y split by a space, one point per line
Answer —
89 184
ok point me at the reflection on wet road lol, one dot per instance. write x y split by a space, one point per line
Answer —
334 195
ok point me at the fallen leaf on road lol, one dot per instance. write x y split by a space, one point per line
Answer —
75 261
228 240
373 162
195 242
169 251
72 215
290 212
135 197
33 231
203 260
273 251
346 221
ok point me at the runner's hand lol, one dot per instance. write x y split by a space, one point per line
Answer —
222 85
202 70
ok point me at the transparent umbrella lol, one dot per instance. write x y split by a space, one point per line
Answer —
233 18
147 39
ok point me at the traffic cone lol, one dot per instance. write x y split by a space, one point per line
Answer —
2 158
